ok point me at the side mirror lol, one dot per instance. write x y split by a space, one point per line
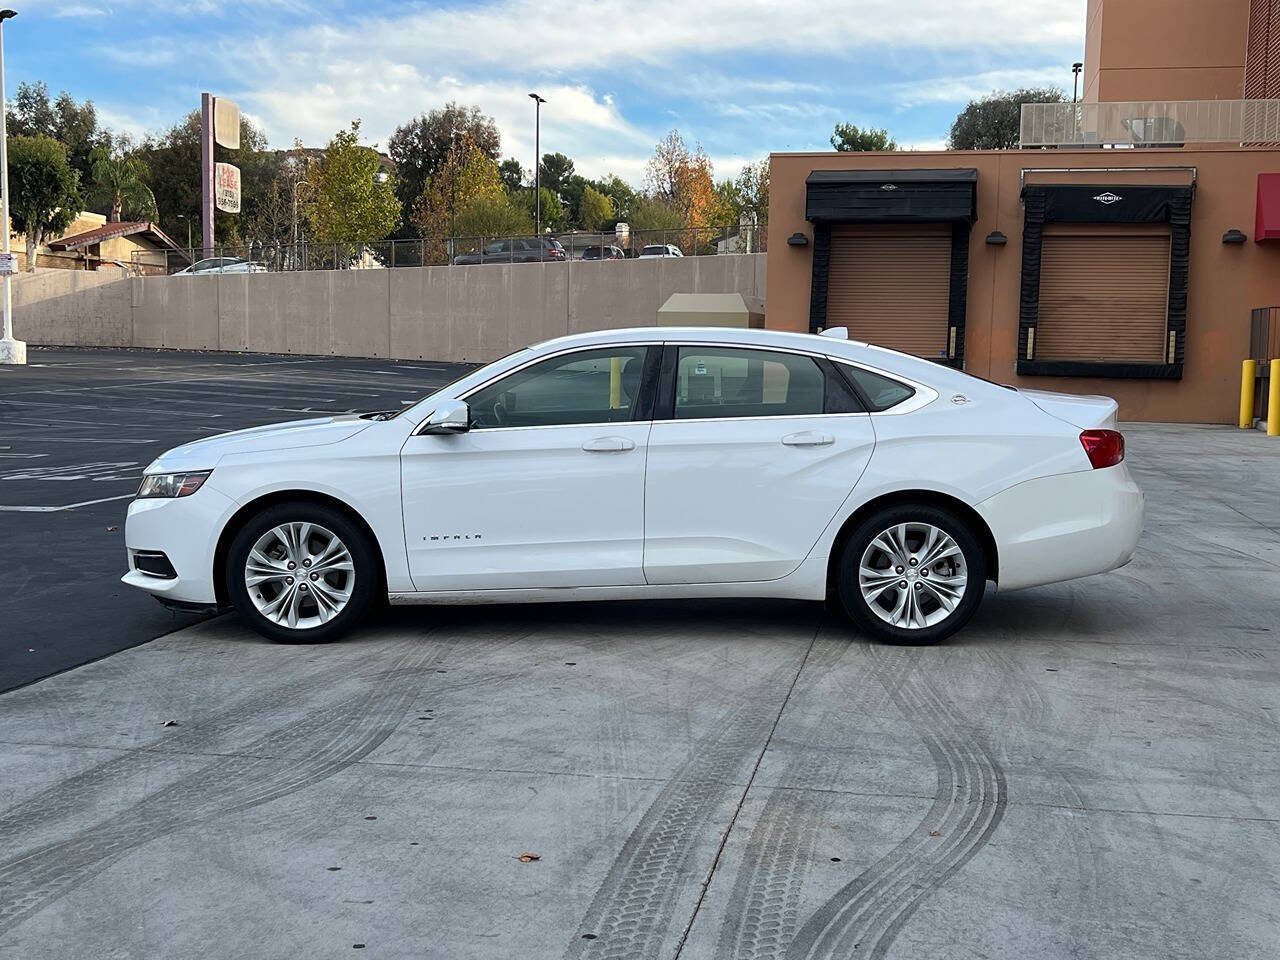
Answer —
451 416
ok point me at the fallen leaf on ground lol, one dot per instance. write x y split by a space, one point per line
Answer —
529 857
934 833
169 723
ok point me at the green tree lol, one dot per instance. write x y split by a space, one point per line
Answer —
619 191
75 125
466 198
120 183
654 213
347 202
992 122
595 210
512 174
45 190
848 138
422 146
493 216
556 170
552 209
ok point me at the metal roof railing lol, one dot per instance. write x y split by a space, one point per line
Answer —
1149 123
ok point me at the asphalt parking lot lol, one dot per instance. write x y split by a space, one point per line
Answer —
77 427
1088 770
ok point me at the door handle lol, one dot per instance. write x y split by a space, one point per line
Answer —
608 445
808 438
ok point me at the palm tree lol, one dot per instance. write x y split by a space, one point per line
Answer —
121 180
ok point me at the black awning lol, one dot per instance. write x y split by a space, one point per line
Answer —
892 196
1111 203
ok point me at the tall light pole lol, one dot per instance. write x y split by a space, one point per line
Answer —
11 350
537 164
1075 78
296 185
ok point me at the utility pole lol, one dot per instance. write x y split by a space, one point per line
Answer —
11 350
537 164
296 185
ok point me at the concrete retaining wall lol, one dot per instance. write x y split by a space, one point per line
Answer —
473 313
74 308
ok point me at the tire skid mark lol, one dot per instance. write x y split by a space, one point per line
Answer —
279 763
868 913
631 912
763 911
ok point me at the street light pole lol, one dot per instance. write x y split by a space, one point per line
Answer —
11 350
537 163
296 184
1075 79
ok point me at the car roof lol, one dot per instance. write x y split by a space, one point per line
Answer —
881 358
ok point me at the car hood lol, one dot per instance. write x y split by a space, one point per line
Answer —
1086 412
204 454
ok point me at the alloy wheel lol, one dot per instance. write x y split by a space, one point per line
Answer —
913 575
299 575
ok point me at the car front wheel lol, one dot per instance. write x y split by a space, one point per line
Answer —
911 574
301 573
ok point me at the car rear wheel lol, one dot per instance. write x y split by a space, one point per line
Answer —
911 574
301 573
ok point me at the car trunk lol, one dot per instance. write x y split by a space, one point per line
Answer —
1086 412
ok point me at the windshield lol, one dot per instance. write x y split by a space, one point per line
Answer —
657 250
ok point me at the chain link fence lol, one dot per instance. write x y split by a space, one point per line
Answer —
442 251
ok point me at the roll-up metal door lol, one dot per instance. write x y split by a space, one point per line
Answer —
891 285
1104 297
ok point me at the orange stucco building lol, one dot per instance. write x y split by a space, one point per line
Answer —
1130 269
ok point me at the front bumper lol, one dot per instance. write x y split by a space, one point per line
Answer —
1065 526
185 530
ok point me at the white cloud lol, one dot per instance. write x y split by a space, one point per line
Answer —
720 70
66 10
964 88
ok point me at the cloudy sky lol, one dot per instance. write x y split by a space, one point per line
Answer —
742 77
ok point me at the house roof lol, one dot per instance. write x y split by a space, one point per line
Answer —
107 231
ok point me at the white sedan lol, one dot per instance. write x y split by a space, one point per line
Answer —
650 463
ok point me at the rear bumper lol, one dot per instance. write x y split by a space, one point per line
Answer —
1066 526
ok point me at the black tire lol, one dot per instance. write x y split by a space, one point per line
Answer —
860 610
368 576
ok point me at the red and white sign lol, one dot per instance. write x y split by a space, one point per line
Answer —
226 187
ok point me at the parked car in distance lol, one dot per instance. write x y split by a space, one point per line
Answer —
606 252
221 265
660 250
515 250
651 463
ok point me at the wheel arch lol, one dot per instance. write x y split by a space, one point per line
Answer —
257 505
933 498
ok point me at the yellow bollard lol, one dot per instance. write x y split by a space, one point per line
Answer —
1273 401
1247 380
615 383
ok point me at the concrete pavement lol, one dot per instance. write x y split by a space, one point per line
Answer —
1088 770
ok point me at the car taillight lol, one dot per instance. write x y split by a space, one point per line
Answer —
1105 448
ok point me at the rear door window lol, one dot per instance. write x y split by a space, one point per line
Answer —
718 382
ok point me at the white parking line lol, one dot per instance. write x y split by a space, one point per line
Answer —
66 506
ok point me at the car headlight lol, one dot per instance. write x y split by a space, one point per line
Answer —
172 484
